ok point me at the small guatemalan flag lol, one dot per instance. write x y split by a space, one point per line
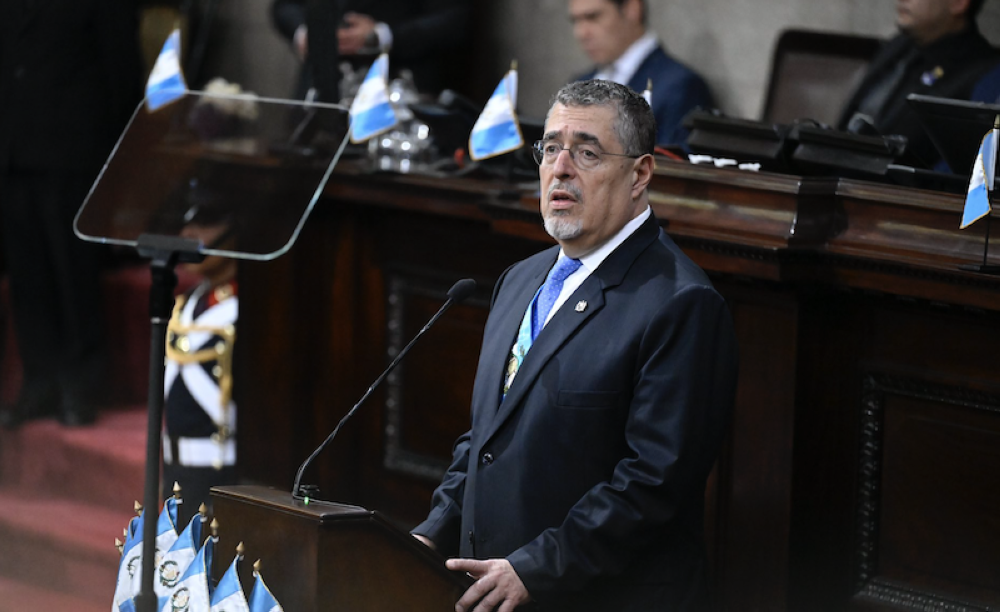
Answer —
497 130
261 599
166 82
130 564
371 111
228 595
194 591
977 202
178 558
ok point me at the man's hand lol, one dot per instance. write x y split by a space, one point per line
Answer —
497 586
354 32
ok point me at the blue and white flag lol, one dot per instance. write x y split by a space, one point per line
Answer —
497 130
194 591
130 564
166 81
977 201
261 599
228 595
175 561
166 526
371 111
127 606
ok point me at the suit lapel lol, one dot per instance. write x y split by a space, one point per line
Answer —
566 321
508 311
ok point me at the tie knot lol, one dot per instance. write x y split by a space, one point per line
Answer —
563 268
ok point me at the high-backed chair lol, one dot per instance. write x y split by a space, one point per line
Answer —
814 73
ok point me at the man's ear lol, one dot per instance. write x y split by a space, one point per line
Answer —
642 174
632 10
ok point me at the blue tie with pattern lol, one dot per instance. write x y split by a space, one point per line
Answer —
535 315
550 292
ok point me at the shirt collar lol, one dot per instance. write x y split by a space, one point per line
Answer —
624 68
593 259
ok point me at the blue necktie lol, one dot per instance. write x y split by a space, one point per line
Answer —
535 315
550 292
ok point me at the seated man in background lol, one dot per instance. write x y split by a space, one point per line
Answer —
988 87
939 51
419 35
613 34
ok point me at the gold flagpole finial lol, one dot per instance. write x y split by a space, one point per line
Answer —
177 490
215 527
513 64
240 550
256 566
203 511
649 84
137 507
996 122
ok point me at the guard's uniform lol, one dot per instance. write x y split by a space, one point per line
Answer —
199 449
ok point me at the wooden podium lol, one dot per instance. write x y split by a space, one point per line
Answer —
325 556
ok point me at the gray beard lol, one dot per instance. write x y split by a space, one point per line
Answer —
563 229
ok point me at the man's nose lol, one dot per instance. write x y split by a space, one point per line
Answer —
564 163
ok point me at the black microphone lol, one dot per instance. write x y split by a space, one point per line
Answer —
458 292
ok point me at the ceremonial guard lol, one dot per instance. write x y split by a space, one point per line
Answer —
199 446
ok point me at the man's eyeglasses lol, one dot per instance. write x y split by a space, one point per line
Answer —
586 156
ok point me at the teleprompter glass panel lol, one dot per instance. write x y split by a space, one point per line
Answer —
254 167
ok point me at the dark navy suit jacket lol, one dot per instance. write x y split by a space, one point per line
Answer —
676 91
589 477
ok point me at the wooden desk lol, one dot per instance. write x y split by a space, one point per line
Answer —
863 467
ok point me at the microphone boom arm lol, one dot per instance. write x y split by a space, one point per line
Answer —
458 292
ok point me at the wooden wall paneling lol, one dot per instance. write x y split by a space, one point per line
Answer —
753 505
928 531
834 331
424 405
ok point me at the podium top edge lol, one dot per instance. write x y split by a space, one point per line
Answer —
283 501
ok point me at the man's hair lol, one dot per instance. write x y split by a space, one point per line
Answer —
645 8
634 125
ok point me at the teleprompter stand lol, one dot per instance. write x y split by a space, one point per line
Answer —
206 176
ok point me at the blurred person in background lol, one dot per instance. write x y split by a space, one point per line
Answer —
70 78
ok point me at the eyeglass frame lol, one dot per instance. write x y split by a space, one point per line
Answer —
538 154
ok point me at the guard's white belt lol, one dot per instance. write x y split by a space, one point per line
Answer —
200 452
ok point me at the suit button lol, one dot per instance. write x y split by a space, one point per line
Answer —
487 458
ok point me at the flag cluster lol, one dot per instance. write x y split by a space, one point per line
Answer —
182 575
497 131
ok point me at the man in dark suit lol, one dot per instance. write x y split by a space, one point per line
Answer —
420 35
938 52
70 77
603 391
613 34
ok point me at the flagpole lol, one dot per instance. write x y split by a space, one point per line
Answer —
986 247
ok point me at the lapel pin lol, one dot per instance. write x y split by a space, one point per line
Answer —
581 305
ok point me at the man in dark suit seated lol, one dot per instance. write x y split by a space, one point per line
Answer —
939 51
988 87
603 392
613 34
422 36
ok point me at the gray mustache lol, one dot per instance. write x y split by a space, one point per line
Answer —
572 189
